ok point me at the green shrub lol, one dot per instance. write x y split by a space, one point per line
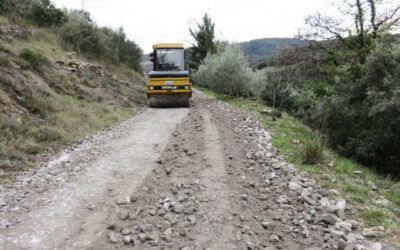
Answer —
374 217
99 42
9 6
45 14
22 63
31 148
42 13
10 128
37 60
275 87
4 60
4 48
312 150
320 89
49 134
15 155
42 106
227 72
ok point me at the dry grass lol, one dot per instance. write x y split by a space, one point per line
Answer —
58 107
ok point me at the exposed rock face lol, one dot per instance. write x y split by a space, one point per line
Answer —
76 66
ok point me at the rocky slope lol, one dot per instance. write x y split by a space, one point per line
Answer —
50 97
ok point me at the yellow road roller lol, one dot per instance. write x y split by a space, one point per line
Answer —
169 82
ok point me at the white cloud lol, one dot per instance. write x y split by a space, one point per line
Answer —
148 22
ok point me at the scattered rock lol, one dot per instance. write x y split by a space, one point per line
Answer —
142 237
260 155
341 204
294 186
372 232
274 238
112 238
337 234
192 219
347 226
146 228
372 186
341 214
127 240
126 231
189 210
373 246
123 215
382 202
282 200
342 244
329 219
266 224
334 191
178 208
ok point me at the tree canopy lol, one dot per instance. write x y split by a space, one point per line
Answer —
204 41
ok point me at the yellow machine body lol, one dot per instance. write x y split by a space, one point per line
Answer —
170 78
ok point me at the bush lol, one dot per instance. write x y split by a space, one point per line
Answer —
12 6
41 106
36 60
9 128
312 150
227 72
45 14
31 148
274 87
42 12
101 43
4 60
374 217
22 63
49 134
361 118
81 33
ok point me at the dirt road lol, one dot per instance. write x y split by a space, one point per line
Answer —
199 178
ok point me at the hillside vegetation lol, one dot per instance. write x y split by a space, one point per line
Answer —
50 95
259 50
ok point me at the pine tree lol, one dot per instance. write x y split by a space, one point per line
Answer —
204 41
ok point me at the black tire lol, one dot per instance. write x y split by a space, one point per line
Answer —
186 102
168 102
151 102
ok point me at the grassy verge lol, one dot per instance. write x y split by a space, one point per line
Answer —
22 144
341 176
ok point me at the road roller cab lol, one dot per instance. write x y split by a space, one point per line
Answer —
169 82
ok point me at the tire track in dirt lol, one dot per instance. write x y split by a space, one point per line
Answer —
75 212
214 231
205 194
163 209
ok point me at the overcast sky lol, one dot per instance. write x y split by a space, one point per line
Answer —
151 21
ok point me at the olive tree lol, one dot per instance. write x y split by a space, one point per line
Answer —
226 72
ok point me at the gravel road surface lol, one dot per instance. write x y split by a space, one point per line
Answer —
204 177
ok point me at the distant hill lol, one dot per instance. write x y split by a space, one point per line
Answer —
260 49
